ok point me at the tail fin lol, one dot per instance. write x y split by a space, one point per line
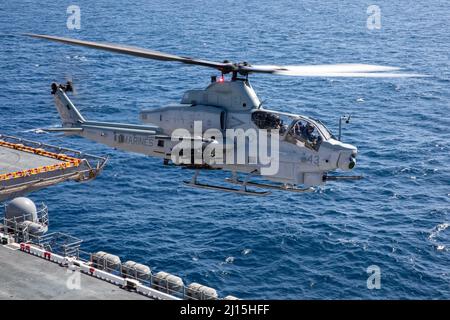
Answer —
70 115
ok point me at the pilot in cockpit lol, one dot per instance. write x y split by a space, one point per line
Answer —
298 129
313 139
308 133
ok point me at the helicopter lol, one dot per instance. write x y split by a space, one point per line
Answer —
225 127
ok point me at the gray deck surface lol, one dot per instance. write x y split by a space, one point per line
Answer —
14 160
23 276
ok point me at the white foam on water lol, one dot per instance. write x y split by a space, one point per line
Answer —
435 232
229 260
438 229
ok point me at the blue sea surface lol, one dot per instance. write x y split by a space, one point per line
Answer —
286 245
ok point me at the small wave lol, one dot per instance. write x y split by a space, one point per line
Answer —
435 232
246 251
438 229
229 260
77 57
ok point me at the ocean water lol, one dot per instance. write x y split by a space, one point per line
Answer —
283 246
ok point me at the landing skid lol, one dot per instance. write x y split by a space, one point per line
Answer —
270 186
243 190
226 189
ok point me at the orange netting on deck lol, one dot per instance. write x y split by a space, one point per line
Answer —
67 162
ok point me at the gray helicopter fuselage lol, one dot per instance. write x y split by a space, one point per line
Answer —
222 106
230 105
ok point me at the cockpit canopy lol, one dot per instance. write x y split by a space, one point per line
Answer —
293 128
305 132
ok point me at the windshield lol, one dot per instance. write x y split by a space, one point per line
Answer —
323 129
306 132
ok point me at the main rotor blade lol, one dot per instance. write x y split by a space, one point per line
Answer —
330 70
326 68
356 75
135 51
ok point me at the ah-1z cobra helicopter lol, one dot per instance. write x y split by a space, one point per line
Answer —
308 151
